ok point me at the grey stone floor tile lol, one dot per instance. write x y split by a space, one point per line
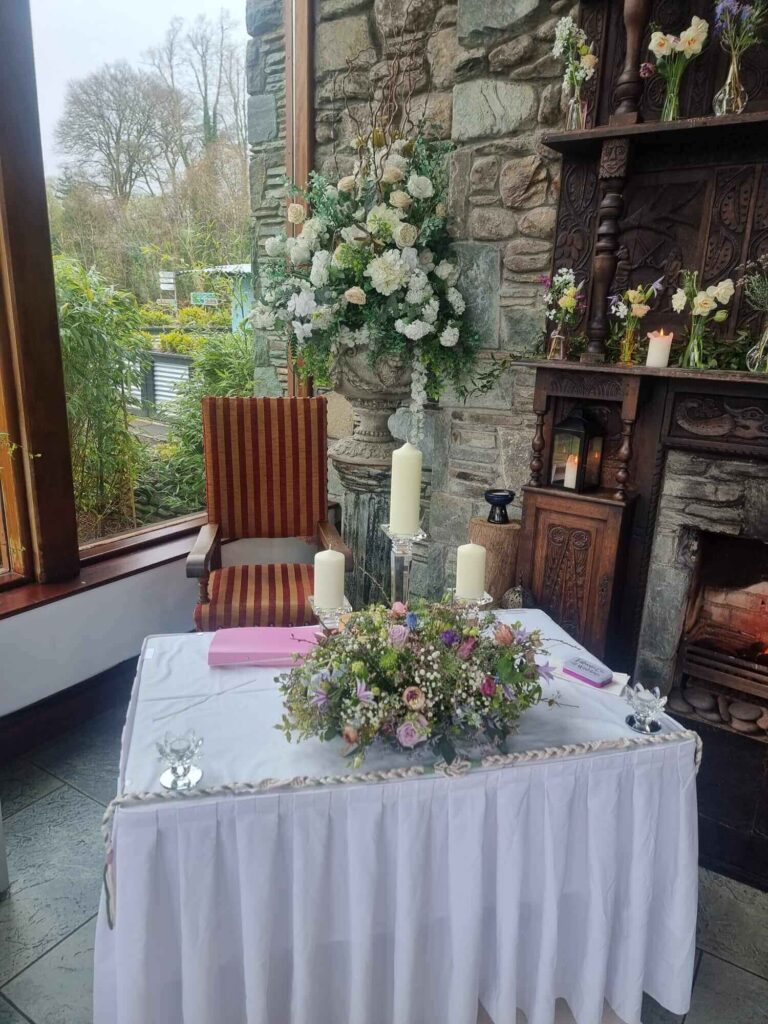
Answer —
88 757
652 1013
732 922
57 988
21 783
55 860
724 994
8 1015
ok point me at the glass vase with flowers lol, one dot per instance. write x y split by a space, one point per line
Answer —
572 47
738 25
564 304
673 55
627 310
707 307
754 283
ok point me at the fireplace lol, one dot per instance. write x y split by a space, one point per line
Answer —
722 670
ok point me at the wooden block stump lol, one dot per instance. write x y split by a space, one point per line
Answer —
500 542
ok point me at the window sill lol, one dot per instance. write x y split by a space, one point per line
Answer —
149 536
105 568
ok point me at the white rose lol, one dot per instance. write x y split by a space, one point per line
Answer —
318 275
406 235
356 296
420 186
449 337
427 260
445 270
398 161
400 200
274 246
391 174
679 300
703 304
296 213
347 183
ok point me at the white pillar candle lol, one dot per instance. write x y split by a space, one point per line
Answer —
329 579
659 345
405 495
571 472
470 571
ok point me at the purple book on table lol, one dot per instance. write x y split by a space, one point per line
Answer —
587 670
275 646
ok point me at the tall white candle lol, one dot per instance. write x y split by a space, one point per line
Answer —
405 495
470 571
329 579
659 345
571 472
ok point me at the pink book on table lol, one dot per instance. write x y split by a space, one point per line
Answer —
262 645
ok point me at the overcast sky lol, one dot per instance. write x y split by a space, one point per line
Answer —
74 37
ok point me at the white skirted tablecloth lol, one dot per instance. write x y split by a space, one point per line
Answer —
301 892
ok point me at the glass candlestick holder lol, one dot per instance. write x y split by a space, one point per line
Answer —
474 605
645 704
401 561
179 753
329 618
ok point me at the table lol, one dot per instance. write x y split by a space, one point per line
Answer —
569 870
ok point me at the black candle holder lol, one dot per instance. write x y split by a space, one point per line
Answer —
498 500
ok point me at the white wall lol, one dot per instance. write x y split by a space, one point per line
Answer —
50 648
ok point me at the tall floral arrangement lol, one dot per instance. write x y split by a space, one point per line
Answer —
627 310
371 267
755 289
705 307
580 63
673 55
564 304
738 25
432 674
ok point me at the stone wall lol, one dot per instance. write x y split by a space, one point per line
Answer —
492 85
265 81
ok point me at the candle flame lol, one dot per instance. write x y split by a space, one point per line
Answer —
660 336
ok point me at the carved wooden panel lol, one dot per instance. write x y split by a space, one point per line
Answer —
594 19
574 241
720 422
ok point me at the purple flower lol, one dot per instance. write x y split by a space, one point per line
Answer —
657 285
546 672
319 698
398 636
488 686
449 637
506 689
363 695
546 280
465 648
411 733
647 70
521 634
412 620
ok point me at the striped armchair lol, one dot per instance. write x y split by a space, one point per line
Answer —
265 477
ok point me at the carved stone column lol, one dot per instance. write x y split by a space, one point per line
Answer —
614 162
629 86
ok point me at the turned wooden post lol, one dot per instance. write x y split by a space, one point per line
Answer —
624 454
613 172
537 446
629 87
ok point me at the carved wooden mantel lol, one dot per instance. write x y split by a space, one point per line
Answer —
642 199
585 557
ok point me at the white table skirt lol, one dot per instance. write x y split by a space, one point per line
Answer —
396 902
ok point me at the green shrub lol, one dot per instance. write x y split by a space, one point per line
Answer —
153 315
181 342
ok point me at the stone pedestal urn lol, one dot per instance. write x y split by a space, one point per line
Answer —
363 462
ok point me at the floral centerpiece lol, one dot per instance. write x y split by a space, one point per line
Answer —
627 310
564 304
706 307
755 289
433 674
371 270
738 25
572 47
673 55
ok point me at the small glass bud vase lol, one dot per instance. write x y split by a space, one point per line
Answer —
558 344
732 98
576 115
757 356
627 347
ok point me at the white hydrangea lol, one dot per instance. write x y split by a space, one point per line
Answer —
396 159
383 221
410 257
449 337
420 186
347 338
388 272
313 231
430 311
419 289
321 262
301 330
415 330
456 300
322 317
274 246
298 251
418 400
262 317
302 303
447 272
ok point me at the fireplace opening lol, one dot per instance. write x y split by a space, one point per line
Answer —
723 656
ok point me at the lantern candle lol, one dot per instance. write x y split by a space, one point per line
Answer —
659 345
329 580
470 572
405 493
571 472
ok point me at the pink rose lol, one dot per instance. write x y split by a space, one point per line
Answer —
350 734
488 686
398 636
414 698
399 609
465 648
410 734
504 636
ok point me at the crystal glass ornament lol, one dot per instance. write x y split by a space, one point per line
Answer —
645 704
179 752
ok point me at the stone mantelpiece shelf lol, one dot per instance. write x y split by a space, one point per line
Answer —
674 372
698 130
